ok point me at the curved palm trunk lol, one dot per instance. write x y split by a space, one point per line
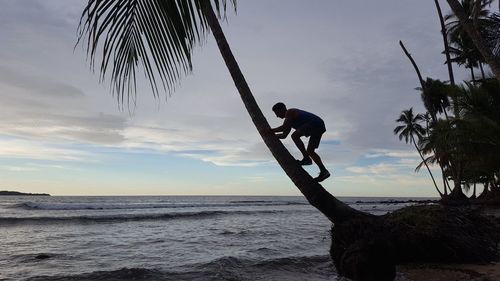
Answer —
444 182
420 79
317 196
472 74
482 70
445 42
477 39
427 166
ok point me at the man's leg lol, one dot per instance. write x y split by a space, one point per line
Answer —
300 145
311 147
315 157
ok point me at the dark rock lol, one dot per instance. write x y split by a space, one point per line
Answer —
42 256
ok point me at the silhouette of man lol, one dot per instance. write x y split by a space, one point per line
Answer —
305 124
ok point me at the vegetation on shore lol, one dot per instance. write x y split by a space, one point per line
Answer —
460 130
16 193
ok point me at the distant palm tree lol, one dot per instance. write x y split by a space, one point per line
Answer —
491 33
428 122
475 10
464 50
435 97
159 36
479 40
445 43
465 53
410 129
445 144
479 109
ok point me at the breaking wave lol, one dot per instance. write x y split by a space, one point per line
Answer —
225 268
128 217
123 206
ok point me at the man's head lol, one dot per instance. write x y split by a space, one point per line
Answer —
280 110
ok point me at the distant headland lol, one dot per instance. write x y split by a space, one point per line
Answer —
15 193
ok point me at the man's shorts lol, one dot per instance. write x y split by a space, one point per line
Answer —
315 131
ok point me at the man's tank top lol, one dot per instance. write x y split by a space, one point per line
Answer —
305 117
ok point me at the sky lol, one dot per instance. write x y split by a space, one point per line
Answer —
62 132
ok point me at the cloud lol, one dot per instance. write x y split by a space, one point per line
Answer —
376 153
18 168
381 168
332 63
23 149
38 86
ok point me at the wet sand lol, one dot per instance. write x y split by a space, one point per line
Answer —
450 272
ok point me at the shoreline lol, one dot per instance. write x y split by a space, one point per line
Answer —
457 272
17 193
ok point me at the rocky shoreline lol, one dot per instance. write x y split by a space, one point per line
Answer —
16 193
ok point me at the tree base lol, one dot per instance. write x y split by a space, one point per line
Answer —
491 198
455 198
366 249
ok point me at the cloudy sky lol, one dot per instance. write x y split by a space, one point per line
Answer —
63 133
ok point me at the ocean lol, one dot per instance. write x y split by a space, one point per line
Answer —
169 237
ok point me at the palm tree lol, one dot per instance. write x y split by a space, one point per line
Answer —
445 43
491 33
160 36
479 109
447 143
475 11
466 53
428 122
477 38
410 129
435 97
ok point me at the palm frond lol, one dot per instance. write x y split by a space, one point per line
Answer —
157 36
429 160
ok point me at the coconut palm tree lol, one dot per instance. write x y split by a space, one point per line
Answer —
465 53
435 97
475 11
445 43
464 50
479 109
159 36
447 144
477 38
491 33
410 129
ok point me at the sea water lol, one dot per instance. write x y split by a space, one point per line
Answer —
168 237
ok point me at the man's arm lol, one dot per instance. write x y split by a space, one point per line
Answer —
286 127
285 130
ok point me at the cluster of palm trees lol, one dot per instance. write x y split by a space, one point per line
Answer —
460 132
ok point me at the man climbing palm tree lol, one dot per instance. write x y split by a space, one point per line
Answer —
305 124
